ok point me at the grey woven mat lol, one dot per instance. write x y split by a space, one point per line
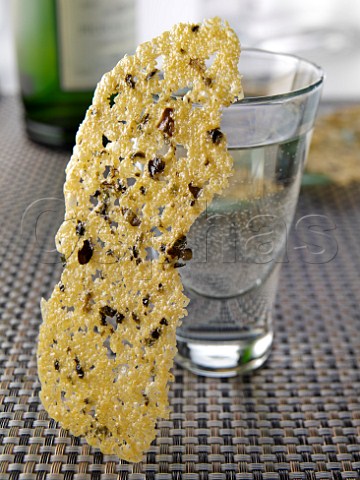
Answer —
296 418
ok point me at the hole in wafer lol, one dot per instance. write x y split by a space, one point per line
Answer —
94 200
110 353
151 254
126 343
97 275
130 181
156 232
100 242
106 171
112 98
210 61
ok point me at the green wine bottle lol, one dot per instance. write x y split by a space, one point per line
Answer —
63 47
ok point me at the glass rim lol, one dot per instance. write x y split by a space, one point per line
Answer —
286 95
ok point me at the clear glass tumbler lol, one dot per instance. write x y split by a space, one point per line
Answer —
238 243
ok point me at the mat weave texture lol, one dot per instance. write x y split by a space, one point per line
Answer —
296 418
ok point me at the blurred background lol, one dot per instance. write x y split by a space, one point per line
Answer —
325 31
53 52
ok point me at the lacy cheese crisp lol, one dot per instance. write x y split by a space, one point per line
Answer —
149 156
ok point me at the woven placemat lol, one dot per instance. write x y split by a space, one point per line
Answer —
296 418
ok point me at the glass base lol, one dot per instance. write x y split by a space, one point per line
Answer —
50 135
223 359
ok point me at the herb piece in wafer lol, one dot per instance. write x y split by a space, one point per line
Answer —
149 157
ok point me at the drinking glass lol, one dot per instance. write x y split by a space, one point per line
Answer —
239 242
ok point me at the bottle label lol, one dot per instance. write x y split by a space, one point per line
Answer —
92 37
